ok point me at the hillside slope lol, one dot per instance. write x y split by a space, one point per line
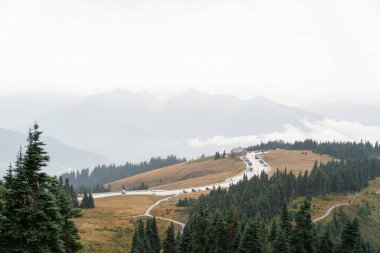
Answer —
293 160
193 173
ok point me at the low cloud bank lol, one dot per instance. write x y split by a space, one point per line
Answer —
324 130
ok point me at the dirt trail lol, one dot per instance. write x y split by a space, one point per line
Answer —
327 213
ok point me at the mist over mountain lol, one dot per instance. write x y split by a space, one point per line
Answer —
344 110
63 157
129 126
19 112
135 126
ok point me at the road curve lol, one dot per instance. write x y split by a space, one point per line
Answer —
327 213
254 166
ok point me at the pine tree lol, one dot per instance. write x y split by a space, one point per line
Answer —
273 231
74 197
351 237
327 245
152 235
169 242
91 203
177 242
199 227
33 220
70 232
285 221
281 243
253 239
140 243
221 235
135 247
85 201
185 242
303 238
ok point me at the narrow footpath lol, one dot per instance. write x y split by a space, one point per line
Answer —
327 213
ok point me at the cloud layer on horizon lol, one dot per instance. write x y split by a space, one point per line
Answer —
323 130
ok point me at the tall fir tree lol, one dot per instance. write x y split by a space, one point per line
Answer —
140 243
33 218
221 235
91 202
303 237
285 221
200 225
152 235
85 201
169 244
327 244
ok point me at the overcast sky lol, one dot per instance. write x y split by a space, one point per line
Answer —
292 51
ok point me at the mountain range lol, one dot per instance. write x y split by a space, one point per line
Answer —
129 126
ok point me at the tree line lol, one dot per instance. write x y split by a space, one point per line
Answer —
265 195
94 180
340 150
36 209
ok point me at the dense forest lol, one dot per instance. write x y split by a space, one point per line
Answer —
252 216
36 210
94 180
224 232
340 150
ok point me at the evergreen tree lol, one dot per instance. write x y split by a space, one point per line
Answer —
169 245
221 235
85 201
285 224
351 237
253 239
74 197
70 232
326 245
281 243
177 242
303 238
152 235
273 231
199 227
140 243
185 241
91 203
33 217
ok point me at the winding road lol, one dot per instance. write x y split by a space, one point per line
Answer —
254 166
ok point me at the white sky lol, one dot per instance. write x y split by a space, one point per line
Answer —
292 51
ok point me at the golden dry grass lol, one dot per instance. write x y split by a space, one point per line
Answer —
168 209
194 173
295 160
369 224
320 204
109 227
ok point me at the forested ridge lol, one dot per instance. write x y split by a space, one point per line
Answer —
252 216
339 150
94 180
